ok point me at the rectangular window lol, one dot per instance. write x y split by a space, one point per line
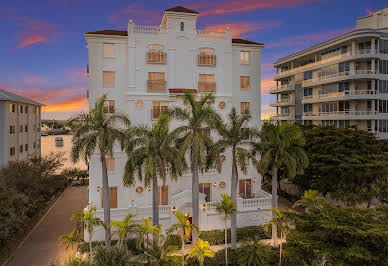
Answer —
21 109
109 50
26 109
307 75
112 197
108 79
26 147
109 106
163 195
204 188
206 83
244 82
156 81
110 164
21 149
21 129
308 92
12 151
25 128
245 188
11 130
244 107
34 145
206 56
244 58
158 108
12 108
307 108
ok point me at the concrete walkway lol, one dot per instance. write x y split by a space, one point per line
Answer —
41 245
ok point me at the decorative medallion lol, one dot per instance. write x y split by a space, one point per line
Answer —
222 184
139 190
221 105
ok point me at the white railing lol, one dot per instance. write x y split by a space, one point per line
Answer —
211 34
115 214
287 115
285 86
340 74
254 203
342 113
148 30
349 92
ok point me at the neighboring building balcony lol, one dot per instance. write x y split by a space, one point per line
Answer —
206 60
283 88
335 58
283 102
156 85
338 76
341 115
205 86
343 95
285 116
156 57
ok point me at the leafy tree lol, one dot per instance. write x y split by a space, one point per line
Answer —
151 154
163 254
281 146
98 130
197 118
124 228
237 136
332 235
69 240
87 220
348 164
226 207
146 228
254 253
103 256
201 250
184 228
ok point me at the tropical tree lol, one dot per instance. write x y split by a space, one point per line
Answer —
163 254
226 208
94 131
307 200
197 118
69 240
283 223
184 228
146 228
254 253
201 250
281 146
124 228
87 220
151 154
237 136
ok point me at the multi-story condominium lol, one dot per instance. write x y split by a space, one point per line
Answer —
19 127
341 82
145 70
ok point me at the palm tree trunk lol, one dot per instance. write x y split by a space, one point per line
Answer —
90 242
195 195
274 204
226 245
105 187
155 205
233 221
281 247
183 248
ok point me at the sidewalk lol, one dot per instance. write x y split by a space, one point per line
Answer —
41 245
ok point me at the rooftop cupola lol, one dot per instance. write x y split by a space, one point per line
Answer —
180 18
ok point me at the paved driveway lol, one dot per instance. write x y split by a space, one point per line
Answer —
41 245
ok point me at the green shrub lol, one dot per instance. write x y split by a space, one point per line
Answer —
114 256
174 240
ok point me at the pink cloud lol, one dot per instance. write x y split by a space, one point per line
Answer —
134 11
267 85
369 11
34 31
241 28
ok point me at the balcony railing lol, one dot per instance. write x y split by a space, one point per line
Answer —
340 74
211 34
342 113
156 57
156 85
206 60
206 86
285 115
148 30
349 92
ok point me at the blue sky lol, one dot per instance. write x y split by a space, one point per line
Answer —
43 51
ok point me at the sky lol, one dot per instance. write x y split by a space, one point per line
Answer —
43 52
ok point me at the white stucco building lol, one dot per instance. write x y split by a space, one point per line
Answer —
341 82
146 69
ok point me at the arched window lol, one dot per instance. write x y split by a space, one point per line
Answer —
206 56
156 54
182 26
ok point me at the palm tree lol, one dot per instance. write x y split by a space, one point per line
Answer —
237 136
307 200
227 208
198 117
98 130
124 228
283 222
146 228
163 254
201 250
68 240
184 228
281 146
152 155
87 220
253 253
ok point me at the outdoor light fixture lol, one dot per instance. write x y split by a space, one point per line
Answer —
238 195
204 207
254 180
132 202
215 184
173 210
149 188
98 189
130 20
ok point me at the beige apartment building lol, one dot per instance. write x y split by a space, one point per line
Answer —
19 127
341 82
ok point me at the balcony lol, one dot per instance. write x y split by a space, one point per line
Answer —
207 34
156 57
148 30
206 86
283 88
206 60
283 102
338 76
285 116
341 115
343 95
156 85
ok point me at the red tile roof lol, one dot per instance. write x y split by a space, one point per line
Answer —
241 41
110 32
182 9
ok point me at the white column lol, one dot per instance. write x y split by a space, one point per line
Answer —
131 56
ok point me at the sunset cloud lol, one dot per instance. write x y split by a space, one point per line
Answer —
241 28
267 85
34 31
134 11
74 104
